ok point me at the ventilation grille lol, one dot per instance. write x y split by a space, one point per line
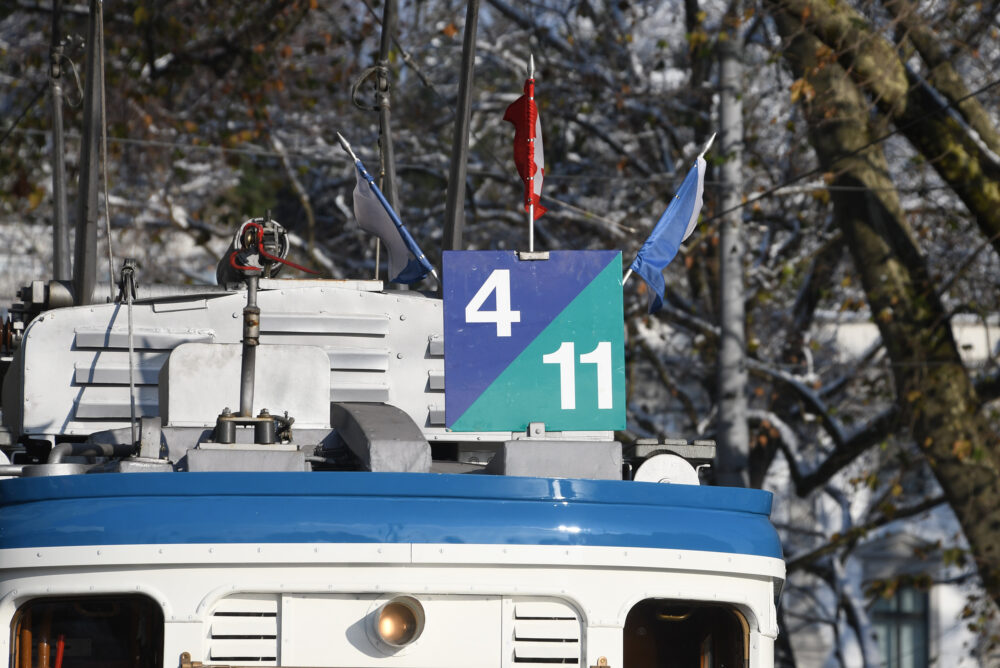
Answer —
357 372
545 633
435 382
244 630
101 370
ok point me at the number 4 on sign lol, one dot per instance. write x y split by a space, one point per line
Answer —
565 357
498 282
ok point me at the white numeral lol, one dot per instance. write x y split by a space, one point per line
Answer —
601 356
499 282
565 357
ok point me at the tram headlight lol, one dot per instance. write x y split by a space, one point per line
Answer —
398 622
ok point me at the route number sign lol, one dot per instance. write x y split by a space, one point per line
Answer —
534 341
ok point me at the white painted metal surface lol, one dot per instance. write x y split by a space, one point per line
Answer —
200 379
475 596
71 374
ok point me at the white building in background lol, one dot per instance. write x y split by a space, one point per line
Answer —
25 255
853 334
914 626
917 627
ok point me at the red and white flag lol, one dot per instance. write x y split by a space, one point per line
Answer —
529 154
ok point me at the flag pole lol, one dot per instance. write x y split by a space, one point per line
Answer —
347 147
390 212
708 145
704 150
531 201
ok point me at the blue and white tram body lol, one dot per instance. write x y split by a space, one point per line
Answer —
284 568
145 561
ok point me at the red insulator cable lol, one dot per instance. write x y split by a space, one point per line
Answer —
275 258
239 267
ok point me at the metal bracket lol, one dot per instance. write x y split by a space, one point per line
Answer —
150 430
525 256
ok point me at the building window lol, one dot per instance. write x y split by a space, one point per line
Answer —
901 628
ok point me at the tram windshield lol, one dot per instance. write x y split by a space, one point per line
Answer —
663 633
88 632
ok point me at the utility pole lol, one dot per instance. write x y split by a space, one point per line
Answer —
85 255
454 219
732 467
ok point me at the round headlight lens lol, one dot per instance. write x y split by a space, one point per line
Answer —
400 621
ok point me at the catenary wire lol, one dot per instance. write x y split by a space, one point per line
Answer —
770 192
819 170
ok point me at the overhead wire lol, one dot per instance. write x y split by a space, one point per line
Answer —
819 170
24 112
318 159
770 192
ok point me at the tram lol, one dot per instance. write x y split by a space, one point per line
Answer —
318 473
344 524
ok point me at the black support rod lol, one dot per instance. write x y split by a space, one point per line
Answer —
60 228
454 221
389 16
85 248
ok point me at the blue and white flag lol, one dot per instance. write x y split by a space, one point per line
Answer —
407 263
675 225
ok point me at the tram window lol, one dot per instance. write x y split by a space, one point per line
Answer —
87 632
662 633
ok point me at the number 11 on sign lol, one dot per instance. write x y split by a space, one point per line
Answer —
565 357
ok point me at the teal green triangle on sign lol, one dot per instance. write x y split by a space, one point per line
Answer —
571 377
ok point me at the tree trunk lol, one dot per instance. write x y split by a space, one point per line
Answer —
942 74
937 402
967 165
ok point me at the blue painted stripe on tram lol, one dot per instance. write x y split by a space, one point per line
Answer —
172 508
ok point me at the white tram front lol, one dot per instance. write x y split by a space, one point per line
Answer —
382 569
349 525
